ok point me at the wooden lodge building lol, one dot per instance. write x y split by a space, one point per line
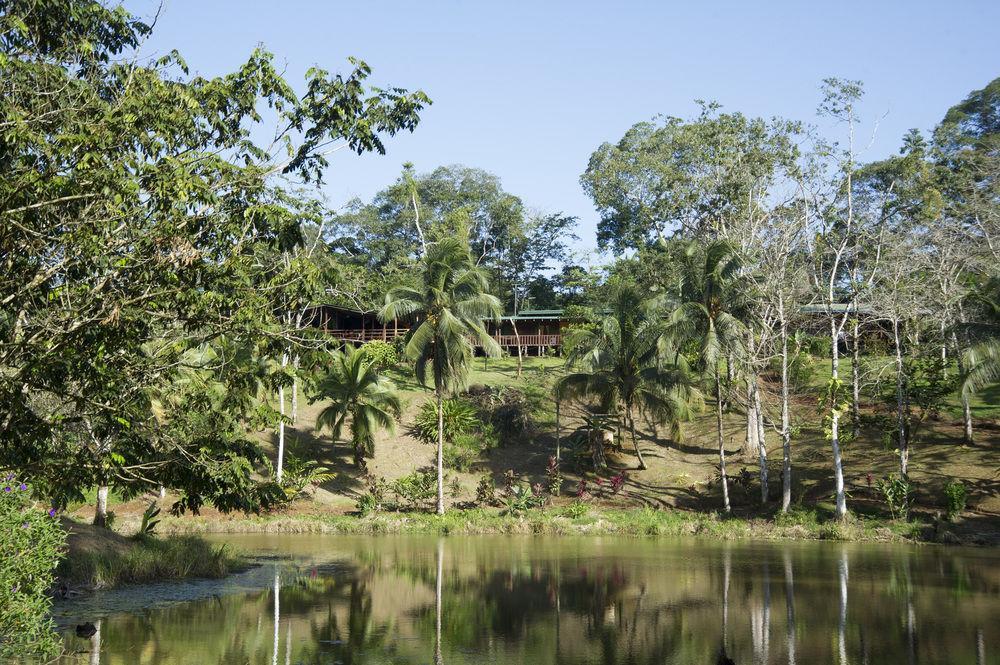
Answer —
537 331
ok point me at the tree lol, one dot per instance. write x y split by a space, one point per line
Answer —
710 289
447 314
356 390
136 208
627 366
984 356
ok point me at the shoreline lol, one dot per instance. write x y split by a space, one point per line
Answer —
593 522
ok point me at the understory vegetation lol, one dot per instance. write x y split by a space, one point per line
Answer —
780 340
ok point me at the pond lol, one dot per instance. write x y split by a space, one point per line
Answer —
571 600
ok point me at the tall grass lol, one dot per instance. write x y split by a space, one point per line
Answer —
149 560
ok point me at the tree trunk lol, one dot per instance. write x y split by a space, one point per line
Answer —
786 438
903 443
838 466
558 431
440 455
855 381
730 377
750 442
761 444
722 447
295 391
967 438
279 473
635 441
101 512
517 340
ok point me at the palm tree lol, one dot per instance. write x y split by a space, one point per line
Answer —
710 288
448 311
983 358
356 390
624 365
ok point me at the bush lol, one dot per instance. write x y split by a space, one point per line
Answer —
955 497
459 418
463 452
507 411
801 368
486 491
818 346
896 492
416 489
301 475
32 543
380 355
519 499
373 500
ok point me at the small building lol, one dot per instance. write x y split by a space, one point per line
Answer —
535 331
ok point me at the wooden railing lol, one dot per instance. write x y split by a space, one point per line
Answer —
362 336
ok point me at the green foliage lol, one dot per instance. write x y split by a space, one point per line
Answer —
302 475
459 418
486 491
507 413
817 346
955 496
415 490
149 520
576 510
896 491
801 369
380 355
374 498
357 392
32 542
142 221
520 498
553 476
149 560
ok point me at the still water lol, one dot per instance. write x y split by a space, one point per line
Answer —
567 601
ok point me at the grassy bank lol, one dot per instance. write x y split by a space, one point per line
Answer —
100 559
575 520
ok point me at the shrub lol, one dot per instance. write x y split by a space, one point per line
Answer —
486 491
507 411
380 355
459 417
373 500
801 368
576 510
301 475
148 526
553 476
896 491
519 499
618 482
416 489
955 497
32 542
818 346
463 452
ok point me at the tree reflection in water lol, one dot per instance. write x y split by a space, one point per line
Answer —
467 602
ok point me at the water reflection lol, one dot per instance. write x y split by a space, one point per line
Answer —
575 601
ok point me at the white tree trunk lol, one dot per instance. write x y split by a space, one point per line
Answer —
789 609
855 380
440 454
761 444
438 658
904 444
722 447
838 466
101 512
281 425
277 615
786 436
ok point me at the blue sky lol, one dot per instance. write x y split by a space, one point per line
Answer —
528 90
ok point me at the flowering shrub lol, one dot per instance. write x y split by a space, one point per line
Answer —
31 541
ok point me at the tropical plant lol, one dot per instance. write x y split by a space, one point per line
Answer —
380 355
447 310
458 418
149 520
356 391
302 474
626 365
486 491
983 358
519 499
415 489
710 291
32 543
896 492
955 496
